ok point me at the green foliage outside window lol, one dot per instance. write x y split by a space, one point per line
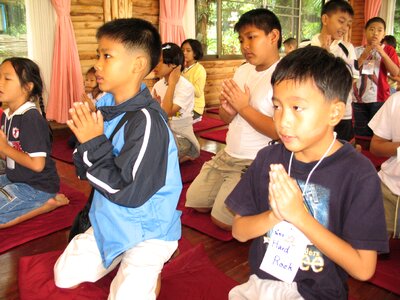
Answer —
13 29
396 28
215 20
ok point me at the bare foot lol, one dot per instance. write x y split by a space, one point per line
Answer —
57 201
51 204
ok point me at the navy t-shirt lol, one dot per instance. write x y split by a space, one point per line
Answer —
29 132
343 194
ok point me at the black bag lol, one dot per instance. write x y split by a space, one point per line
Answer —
82 222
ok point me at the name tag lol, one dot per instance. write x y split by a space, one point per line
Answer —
368 67
285 252
398 154
10 163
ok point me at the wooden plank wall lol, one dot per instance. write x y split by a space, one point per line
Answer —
357 30
88 15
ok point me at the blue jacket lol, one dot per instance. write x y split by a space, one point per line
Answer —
135 176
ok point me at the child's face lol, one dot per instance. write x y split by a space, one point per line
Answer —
374 33
11 90
257 47
303 119
162 70
115 68
337 24
90 82
288 48
188 53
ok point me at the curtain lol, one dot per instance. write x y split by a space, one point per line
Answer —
189 26
387 13
40 34
66 80
371 9
171 15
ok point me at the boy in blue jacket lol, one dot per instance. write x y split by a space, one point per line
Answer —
134 173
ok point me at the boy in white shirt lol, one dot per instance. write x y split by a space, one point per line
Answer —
336 19
386 142
246 106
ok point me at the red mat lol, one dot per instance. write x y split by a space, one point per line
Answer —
190 275
200 221
387 274
207 123
213 110
61 151
44 224
215 135
377 161
191 168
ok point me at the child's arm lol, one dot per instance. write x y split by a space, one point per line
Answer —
199 82
383 147
240 101
167 103
390 64
35 164
245 228
287 201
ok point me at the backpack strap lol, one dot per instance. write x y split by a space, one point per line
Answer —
344 49
121 122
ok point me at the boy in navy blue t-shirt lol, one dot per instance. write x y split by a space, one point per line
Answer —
301 200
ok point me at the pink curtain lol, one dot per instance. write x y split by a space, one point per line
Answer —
171 15
66 79
371 9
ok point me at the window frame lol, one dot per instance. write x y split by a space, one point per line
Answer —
219 33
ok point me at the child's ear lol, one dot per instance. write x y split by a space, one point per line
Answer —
275 35
29 87
141 64
324 19
338 109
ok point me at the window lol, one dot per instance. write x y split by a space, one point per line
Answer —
12 29
215 20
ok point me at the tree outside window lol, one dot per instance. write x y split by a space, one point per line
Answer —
396 28
12 29
215 20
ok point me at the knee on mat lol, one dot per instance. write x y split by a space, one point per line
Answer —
221 225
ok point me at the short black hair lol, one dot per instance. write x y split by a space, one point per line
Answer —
261 18
390 40
291 41
173 54
333 6
331 74
375 20
196 47
134 33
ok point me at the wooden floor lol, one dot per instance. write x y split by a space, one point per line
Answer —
229 257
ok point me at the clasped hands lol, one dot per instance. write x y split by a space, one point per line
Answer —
285 196
233 100
84 123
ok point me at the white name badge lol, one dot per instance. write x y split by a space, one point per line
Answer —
285 252
10 163
398 154
368 67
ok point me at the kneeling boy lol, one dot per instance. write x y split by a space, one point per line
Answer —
134 173
301 201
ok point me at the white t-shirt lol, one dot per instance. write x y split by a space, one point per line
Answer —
242 140
183 96
386 124
336 50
